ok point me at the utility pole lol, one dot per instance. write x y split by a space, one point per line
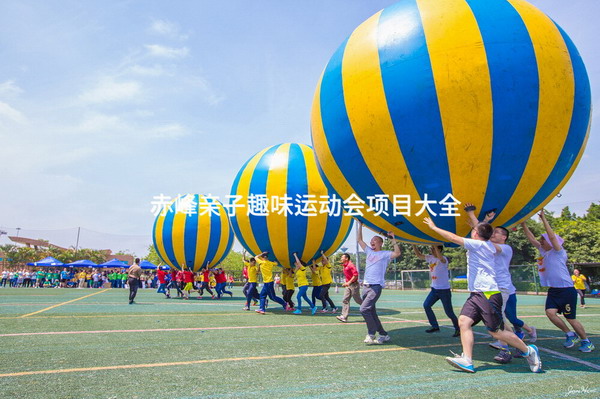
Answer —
77 243
18 230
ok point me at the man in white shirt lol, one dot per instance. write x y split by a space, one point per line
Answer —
485 302
507 289
562 296
440 288
374 280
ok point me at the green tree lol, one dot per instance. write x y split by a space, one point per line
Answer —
153 256
593 212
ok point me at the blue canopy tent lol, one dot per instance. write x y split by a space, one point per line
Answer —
82 263
47 262
113 263
147 265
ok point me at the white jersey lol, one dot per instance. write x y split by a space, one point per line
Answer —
481 273
552 268
438 272
502 264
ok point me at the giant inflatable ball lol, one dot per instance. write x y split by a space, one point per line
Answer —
282 206
488 101
192 233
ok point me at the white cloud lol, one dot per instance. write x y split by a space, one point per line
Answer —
209 93
101 122
108 90
9 113
171 131
158 50
154 71
9 88
167 28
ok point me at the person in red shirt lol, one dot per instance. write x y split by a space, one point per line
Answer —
188 281
162 280
205 283
221 279
352 287
174 283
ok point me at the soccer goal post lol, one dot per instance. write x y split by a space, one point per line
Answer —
414 279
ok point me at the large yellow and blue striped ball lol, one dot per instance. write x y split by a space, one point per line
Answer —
192 232
487 100
274 173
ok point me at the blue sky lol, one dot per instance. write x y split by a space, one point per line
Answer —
104 105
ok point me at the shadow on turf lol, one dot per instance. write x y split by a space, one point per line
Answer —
483 354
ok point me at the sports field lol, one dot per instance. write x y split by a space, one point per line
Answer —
71 343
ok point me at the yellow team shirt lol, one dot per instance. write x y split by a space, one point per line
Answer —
82 275
316 277
266 269
198 277
326 274
579 281
301 276
289 282
252 273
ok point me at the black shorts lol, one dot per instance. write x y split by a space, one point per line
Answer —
479 308
563 299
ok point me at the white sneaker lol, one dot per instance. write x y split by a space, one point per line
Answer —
496 345
461 363
533 358
370 339
382 339
533 335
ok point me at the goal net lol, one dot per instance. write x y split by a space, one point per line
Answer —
414 279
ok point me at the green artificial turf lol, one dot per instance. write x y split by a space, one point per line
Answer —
225 352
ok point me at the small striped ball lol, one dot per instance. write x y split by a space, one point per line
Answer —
194 233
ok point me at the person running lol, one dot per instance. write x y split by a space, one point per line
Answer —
252 291
377 263
440 288
302 281
206 283
265 267
188 283
174 283
163 283
562 296
287 285
315 269
507 289
221 279
351 287
485 301
326 281
133 279
579 284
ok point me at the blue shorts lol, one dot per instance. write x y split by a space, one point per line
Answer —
563 299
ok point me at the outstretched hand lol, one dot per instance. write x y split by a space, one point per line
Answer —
429 222
469 207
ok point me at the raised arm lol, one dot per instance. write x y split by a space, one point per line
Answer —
489 216
445 234
471 218
396 251
359 235
325 260
530 236
418 253
297 263
551 236
436 252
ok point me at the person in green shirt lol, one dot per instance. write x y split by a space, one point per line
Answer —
41 277
123 278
